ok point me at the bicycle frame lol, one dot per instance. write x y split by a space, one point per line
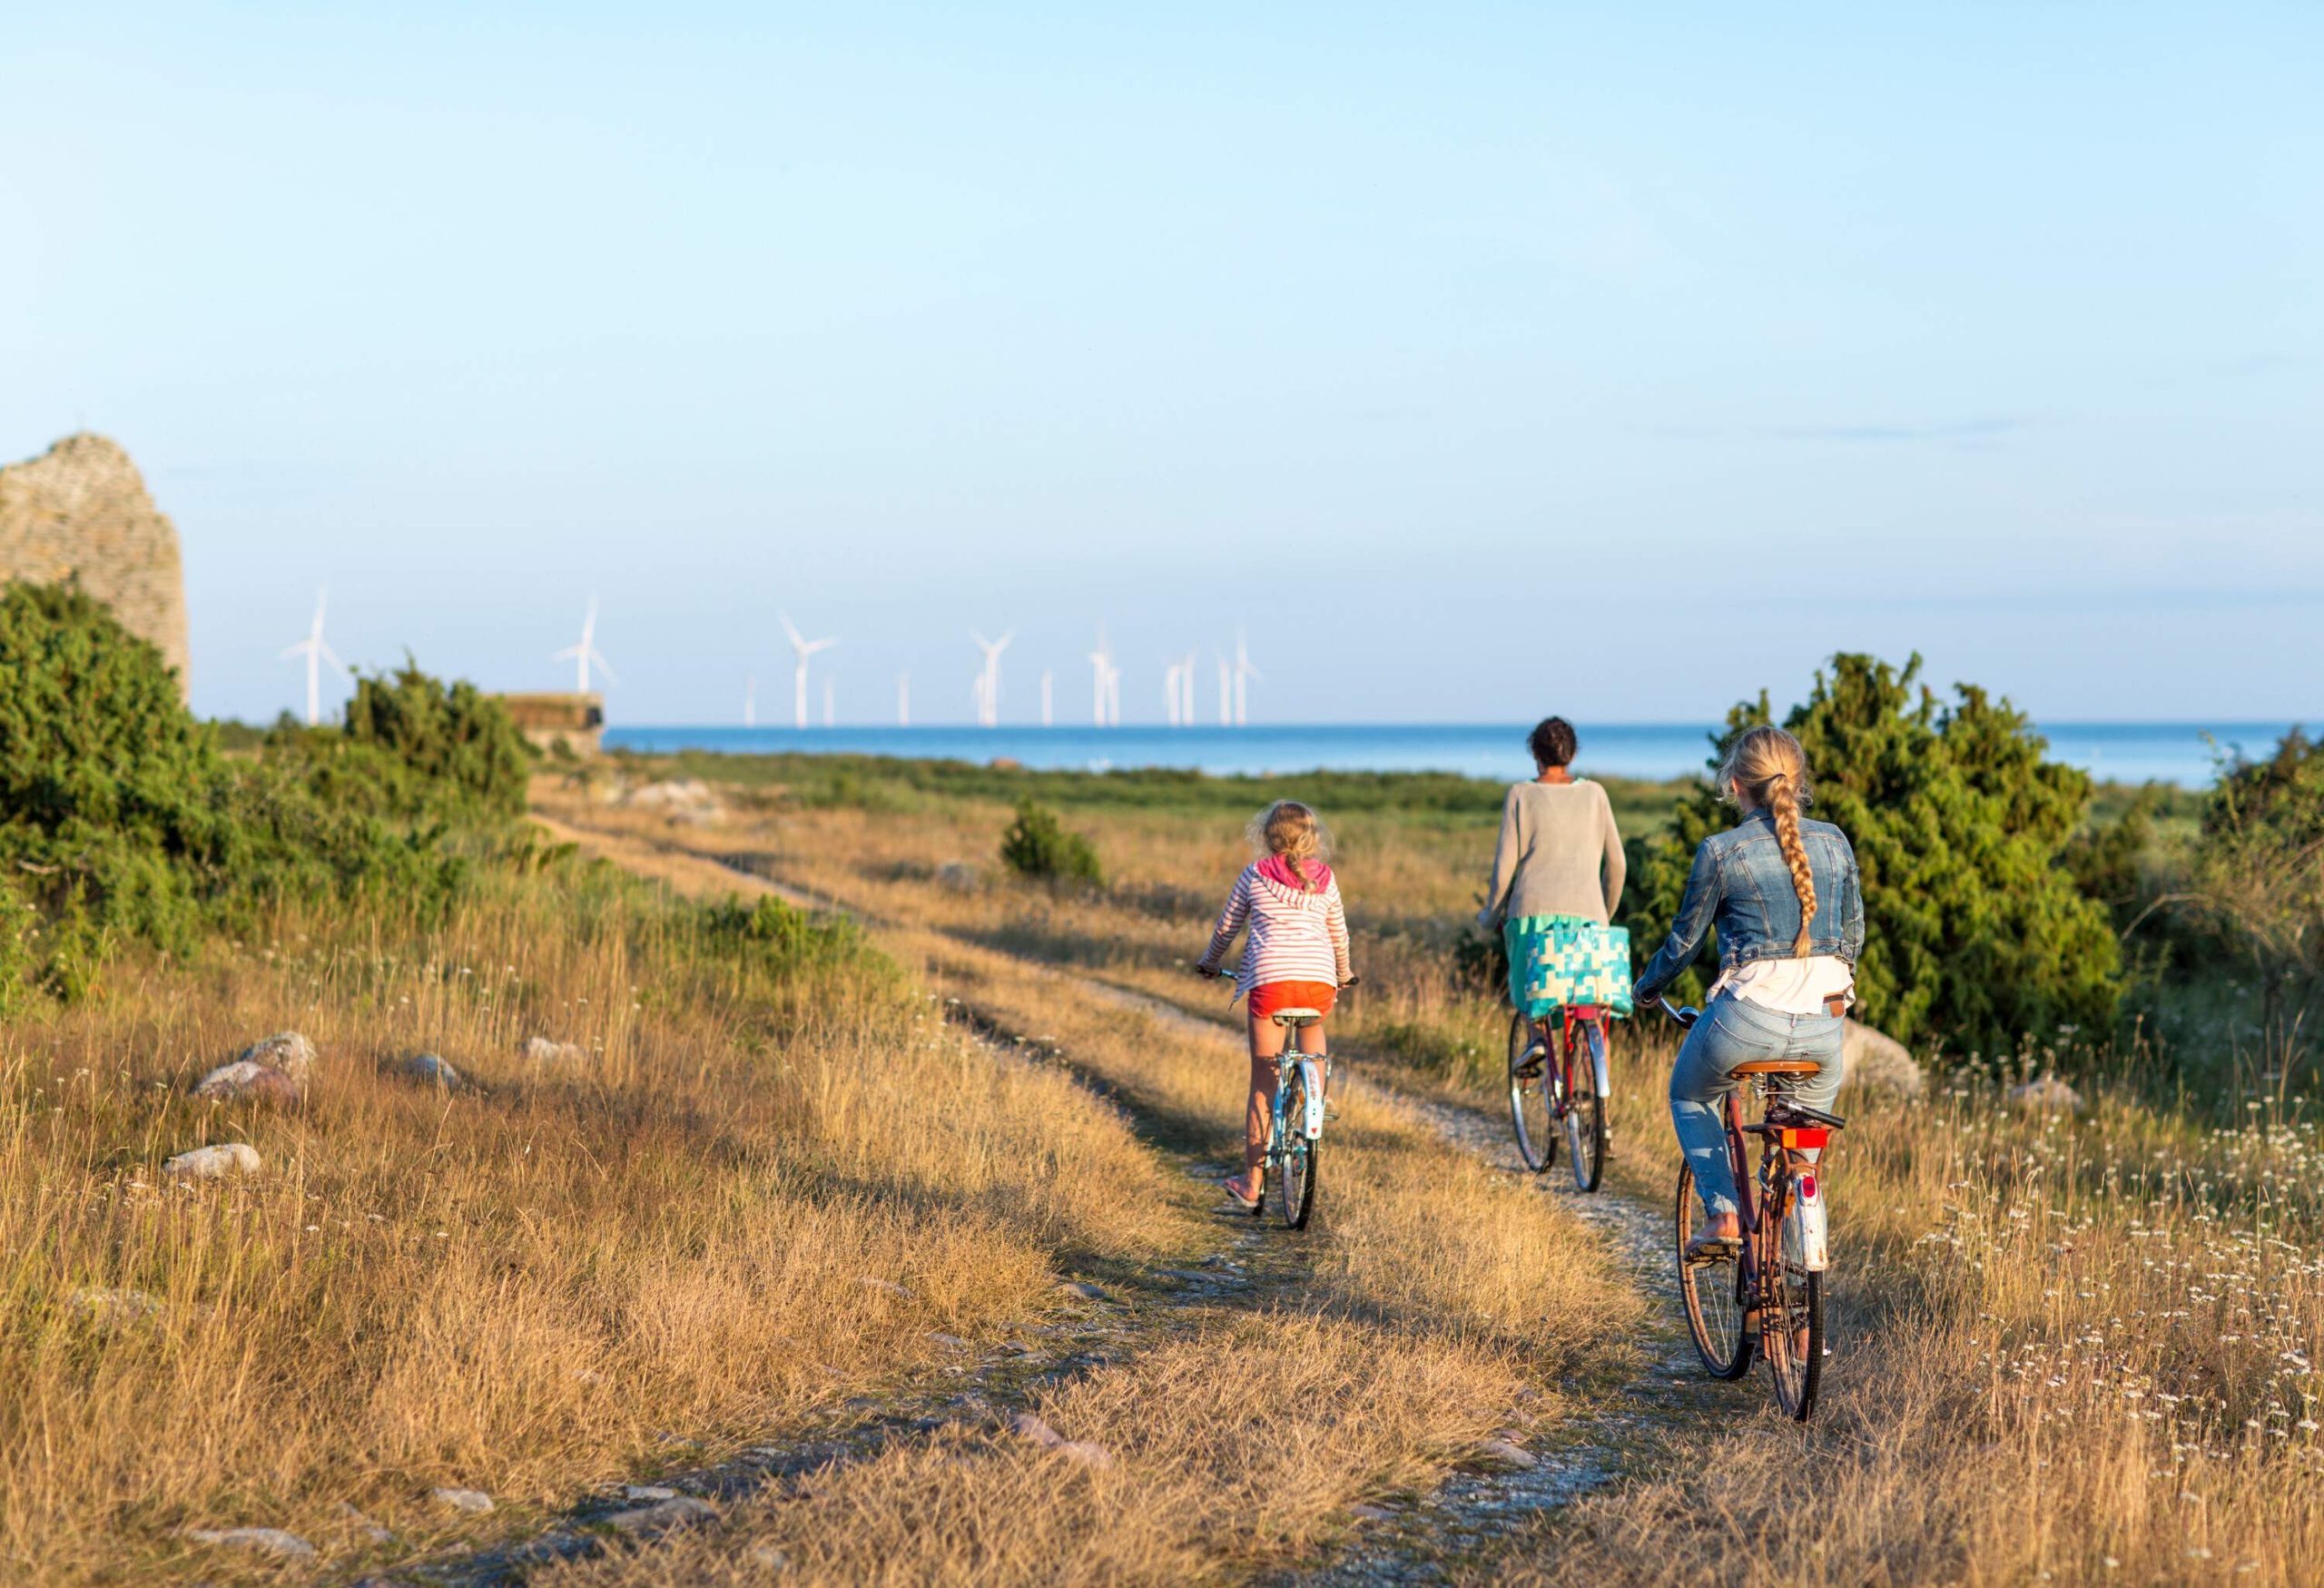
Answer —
1314 1071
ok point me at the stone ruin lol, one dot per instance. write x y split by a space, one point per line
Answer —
81 507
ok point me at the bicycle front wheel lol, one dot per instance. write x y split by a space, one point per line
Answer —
1585 1110
1530 1062
1295 1185
1792 1337
1712 1289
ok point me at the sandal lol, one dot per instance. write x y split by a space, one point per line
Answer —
1236 1197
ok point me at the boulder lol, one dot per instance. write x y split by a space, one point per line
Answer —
214 1163
476 1501
248 1080
428 1070
662 1516
285 1051
1509 1455
265 1540
541 1050
961 876
2048 1095
1878 1063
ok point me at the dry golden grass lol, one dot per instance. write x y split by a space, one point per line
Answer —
520 1289
2085 1347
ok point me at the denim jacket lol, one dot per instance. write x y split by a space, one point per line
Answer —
1741 884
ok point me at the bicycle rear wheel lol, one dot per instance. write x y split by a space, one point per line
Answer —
1295 1185
1792 1337
1585 1110
1712 1291
1530 1063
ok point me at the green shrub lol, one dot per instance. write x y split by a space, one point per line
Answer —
2256 878
121 820
779 936
1038 844
1975 930
415 747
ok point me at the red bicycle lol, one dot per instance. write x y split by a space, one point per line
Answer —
1766 1292
1557 1081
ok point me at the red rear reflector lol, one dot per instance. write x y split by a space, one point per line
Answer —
1807 1187
1807 1136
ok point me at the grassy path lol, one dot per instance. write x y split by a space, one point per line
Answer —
1641 1393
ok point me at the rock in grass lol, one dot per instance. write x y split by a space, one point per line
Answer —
885 1286
2049 1095
662 1516
266 1541
1878 1063
961 876
429 1069
214 1163
285 1051
1082 1288
369 1529
247 1079
1025 1425
541 1050
1085 1453
476 1501
1509 1455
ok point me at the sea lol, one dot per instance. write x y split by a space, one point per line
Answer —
2186 753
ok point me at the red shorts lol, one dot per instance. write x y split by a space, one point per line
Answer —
1269 996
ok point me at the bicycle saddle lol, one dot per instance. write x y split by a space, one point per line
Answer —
1777 1067
1297 1017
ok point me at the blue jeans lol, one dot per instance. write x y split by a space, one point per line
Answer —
1733 1032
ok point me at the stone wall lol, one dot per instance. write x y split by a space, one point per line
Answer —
82 507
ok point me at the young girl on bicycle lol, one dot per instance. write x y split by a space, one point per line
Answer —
1296 957
1783 893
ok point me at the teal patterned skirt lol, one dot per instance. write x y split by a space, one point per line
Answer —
1556 961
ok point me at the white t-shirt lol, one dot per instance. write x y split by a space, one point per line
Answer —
1790 986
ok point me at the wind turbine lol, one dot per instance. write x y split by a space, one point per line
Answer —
586 652
987 691
1170 691
1243 673
1186 690
751 700
317 653
801 648
903 698
1105 685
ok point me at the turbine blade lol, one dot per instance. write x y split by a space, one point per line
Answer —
604 665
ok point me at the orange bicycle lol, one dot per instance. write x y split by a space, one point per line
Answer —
1767 1292
1557 1081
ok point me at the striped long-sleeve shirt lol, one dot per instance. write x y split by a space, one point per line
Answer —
1298 933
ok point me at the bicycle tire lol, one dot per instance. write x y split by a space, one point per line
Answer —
1585 1112
1528 1090
1796 1297
1711 1294
1296 1186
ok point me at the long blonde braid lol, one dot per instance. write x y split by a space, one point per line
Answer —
1768 766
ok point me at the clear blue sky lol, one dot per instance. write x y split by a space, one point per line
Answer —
1483 360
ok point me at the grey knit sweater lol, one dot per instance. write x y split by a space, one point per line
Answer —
1559 853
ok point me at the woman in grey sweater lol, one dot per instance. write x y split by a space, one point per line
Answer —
1559 852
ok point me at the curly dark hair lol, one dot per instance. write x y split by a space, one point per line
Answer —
1552 742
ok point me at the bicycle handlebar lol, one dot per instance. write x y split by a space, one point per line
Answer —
1687 1016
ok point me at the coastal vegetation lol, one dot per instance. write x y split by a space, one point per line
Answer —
608 1160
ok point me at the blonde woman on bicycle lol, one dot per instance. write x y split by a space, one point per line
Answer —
1296 957
1784 894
